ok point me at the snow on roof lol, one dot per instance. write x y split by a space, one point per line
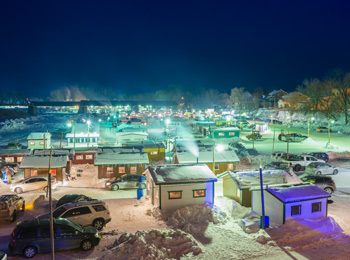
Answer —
14 151
54 152
207 157
226 129
131 133
249 178
83 134
38 135
42 161
297 193
181 174
116 158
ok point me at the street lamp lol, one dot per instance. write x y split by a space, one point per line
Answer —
329 131
274 134
308 125
88 138
219 148
167 121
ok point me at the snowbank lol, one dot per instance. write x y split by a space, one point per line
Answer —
153 244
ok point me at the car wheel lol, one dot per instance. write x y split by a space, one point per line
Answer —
115 187
13 217
329 190
30 251
23 206
297 167
46 189
98 223
86 245
335 172
18 190
318 173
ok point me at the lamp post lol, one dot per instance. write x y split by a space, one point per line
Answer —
167 121
220 148
329 131
274 135
88 138
70 125
240 130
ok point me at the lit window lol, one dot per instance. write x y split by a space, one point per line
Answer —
77 140
217 167
53 172
9 159
88 157
221 134
296 210
41 143
175 195
109 170
133 169
198 193
32 143
238 193
230 166
79 157
231 133
19 159
157 193
316 207
33 172
121 169
154 152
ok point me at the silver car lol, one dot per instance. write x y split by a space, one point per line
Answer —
319 168
32 183
130 181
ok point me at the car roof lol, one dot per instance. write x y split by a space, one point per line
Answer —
41 222
82 203
6 197
71 196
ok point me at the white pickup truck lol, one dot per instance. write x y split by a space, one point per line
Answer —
302 161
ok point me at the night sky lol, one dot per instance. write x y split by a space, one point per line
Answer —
143 46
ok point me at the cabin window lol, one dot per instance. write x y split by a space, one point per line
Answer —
296 210
32 143
79 157
19 159
122 169
316 207
9 159
133 169
230 166
231 133
109 170
221 134
173 195
217 167
88 157
53 172
198 193
238 193
41 143
33 172
154 152
77 140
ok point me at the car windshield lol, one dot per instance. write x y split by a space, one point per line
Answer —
58 212
76 226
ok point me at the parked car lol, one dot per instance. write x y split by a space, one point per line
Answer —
323 129
33 236
277 165
301 161
319 168
324 182
33 183
320 155
10 206
130 181
68 198
84 213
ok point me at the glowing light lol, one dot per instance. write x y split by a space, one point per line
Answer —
219 147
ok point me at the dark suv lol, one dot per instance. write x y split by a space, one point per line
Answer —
322 156
33 236
324 182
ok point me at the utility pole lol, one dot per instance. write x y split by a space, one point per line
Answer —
61 140
44 144
274 136
74 134
50 205
262 198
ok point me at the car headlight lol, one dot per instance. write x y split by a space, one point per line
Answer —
96 235
108 183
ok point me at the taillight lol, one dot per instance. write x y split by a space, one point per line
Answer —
52 181
108 212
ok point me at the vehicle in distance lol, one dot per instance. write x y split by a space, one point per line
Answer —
320 168
322 129
33 236
130 181
300 161
10 206
292 137
68 198
324 182
33 183
84 213
277 165
320 155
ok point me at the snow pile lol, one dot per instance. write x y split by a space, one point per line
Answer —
153 244
331 146
13 125
300 234
308 141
